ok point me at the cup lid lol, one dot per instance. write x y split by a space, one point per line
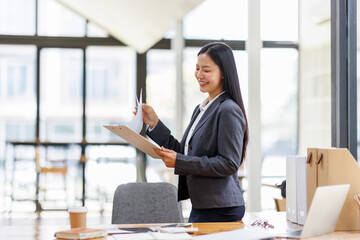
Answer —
77 209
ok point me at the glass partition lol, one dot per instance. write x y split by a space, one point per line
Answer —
214 19
161 85
17 111
279 19
57 20
17 17
61 94
17 93
279 116
110 90
94 30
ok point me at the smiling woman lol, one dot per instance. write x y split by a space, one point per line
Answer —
214 144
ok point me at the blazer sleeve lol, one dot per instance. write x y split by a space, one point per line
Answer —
162 136
231 128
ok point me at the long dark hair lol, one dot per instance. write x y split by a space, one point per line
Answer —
223 56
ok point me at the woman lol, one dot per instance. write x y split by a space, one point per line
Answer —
214 144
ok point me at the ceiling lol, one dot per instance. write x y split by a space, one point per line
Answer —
137 23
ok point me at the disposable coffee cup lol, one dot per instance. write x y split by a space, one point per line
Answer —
77 217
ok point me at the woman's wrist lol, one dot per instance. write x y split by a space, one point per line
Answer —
155 123
151 127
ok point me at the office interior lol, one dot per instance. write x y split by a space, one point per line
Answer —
65 73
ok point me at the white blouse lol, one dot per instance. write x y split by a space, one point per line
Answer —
203 107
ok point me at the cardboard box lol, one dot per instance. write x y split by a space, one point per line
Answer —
333 166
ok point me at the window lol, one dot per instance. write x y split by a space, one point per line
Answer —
57 20
161 83
279 115
110 90
17 72
102 82
61 102
17 93
20 130
214 19
16 81
279 101
111 77
276 22
17 17
94 30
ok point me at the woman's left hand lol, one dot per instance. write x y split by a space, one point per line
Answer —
168 156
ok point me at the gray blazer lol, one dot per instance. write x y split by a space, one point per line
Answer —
208 174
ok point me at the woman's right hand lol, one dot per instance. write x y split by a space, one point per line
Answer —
149 115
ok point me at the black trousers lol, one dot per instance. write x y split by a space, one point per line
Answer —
228 214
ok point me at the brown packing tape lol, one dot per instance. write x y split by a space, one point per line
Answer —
320 158
311 176
309 158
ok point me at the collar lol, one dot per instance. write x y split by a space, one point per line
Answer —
205 104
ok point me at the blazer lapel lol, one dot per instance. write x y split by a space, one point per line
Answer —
196 113
208 113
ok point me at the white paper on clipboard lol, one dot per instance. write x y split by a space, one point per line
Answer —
134 138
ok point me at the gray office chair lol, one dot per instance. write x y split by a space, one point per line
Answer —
146 203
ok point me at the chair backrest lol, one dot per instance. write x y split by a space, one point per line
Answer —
146 203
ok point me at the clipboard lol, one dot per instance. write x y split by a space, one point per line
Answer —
135 139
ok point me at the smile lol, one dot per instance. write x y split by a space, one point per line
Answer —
202 84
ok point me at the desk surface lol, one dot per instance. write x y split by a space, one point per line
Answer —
277 219
64 144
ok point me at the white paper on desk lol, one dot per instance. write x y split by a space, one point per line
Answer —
243 234
152 236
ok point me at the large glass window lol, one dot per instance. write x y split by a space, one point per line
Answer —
161 95
17 92
57 20
161 83
214 19
17 17
17 95
279 20
315 75
115 165
94 30
110 90
111 80
279 114
61 101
